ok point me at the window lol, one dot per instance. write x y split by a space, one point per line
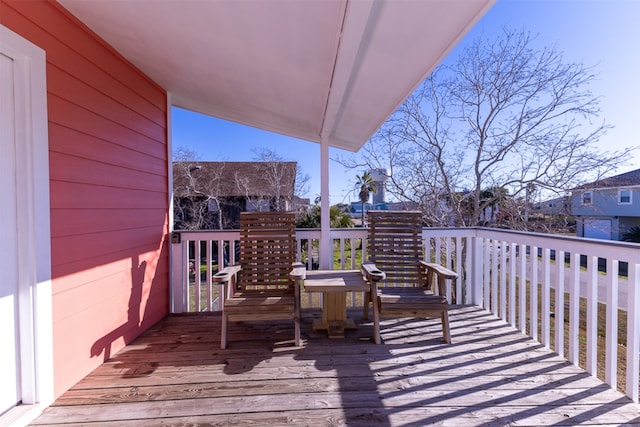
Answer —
587 198
624 197
259 205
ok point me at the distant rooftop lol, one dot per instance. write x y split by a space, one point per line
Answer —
626 179
237 179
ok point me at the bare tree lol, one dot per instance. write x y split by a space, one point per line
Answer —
197 201
276 176
504 115
210 195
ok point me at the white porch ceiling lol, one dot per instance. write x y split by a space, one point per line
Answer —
310 69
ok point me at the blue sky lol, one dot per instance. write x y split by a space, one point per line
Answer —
604 34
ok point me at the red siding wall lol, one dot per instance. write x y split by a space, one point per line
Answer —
109 202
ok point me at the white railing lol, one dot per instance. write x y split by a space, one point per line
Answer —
495 268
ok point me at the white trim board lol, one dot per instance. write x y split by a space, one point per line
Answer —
32 160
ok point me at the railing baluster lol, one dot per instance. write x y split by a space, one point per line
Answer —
197 276
486 264
448 265
611 335
533 293
438 260
365 255
477 269
353 253
232 252
503 280
209 273
592 315
179 276
309 253
633 332
546 300
574 310
495 297
512 285
559 304
462 297
522 293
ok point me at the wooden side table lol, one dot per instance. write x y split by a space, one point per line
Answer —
334 285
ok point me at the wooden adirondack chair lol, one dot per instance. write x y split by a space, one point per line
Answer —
403 279
260 286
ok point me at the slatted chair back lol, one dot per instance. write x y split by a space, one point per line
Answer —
395 245
398 273
260 287
267 250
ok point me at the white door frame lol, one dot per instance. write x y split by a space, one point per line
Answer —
34 245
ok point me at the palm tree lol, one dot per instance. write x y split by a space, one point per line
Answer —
493 198
366 186
338 218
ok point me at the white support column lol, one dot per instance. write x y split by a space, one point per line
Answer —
170 160
175 250
326 254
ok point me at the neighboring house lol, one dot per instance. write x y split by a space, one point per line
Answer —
301 204
551 216
211 195
607 208
355 208
560 206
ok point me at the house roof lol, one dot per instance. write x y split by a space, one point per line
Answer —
235 179
626 179
331 70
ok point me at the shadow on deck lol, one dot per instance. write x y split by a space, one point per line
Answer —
492 375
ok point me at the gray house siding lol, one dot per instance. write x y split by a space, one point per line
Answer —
605 203
605 217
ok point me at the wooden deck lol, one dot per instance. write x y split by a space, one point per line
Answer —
175 374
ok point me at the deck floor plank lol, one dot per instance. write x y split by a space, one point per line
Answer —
492 375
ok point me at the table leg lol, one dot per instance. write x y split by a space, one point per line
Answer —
334 315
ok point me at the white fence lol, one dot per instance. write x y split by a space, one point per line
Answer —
496 269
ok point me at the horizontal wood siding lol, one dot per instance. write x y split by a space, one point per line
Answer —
109 193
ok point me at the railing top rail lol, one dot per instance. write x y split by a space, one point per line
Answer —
623 251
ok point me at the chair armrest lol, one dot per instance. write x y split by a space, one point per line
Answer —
299 271
372 273
224 276
441 272
438 270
